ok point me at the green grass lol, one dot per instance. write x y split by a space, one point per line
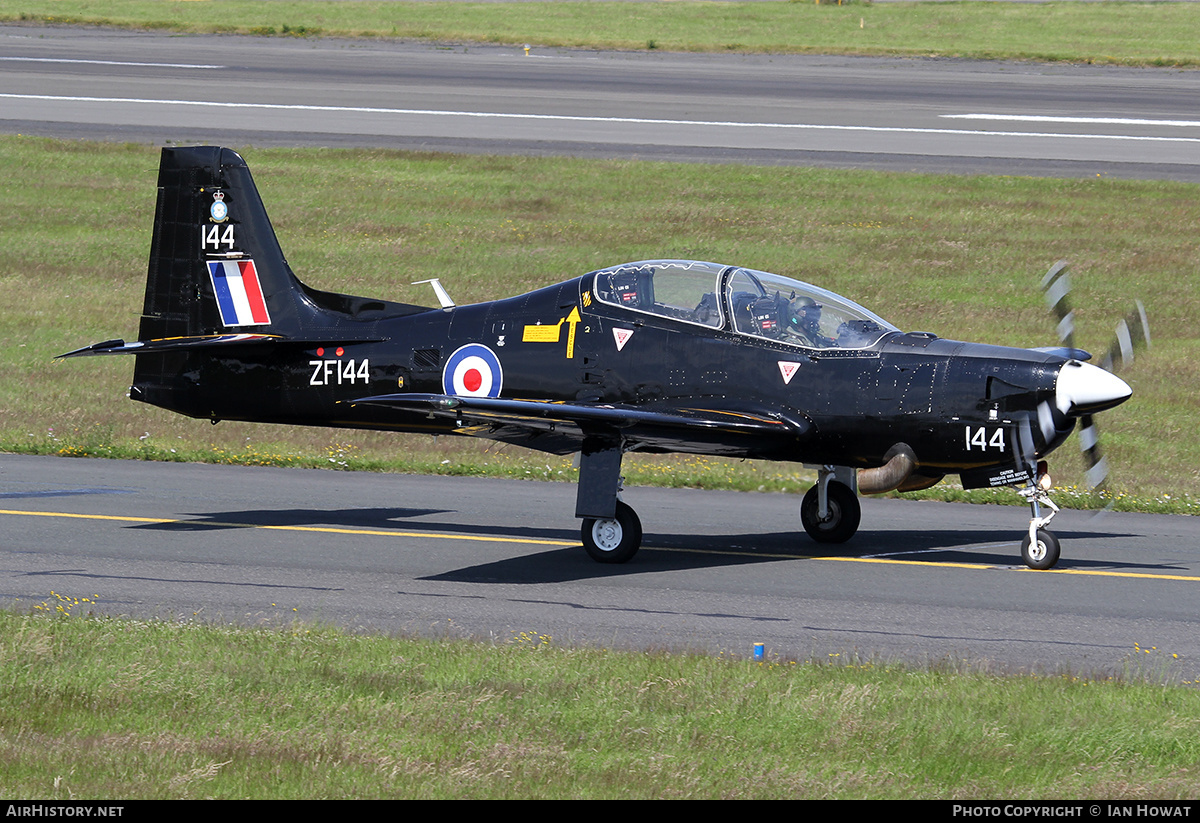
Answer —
961 256
104 708
1112 32
99 708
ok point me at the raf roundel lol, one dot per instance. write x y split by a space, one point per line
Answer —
473 371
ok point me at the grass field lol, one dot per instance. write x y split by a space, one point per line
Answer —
113 709
100 708
958 256
955 255
1139 34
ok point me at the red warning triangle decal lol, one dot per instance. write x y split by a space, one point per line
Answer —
788 369
622 337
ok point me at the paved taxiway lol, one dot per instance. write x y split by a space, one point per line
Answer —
720 571
930 115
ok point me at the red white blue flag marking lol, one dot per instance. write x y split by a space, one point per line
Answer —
239 295
473 371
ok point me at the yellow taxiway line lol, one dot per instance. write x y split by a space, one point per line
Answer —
561 543
327 529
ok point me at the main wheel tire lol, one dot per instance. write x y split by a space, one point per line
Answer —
844 514
1043 554
614 540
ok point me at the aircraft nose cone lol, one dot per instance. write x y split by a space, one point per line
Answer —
1086 389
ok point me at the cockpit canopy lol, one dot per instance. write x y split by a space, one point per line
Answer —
741 300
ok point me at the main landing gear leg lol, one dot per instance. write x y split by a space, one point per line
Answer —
1040 548
830 511
611 531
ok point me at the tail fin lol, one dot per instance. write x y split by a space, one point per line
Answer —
218 282
216 267
215 264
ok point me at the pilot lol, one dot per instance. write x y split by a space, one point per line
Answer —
624 289
804 323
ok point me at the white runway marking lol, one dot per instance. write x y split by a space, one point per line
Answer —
109 63
1098 121
595 119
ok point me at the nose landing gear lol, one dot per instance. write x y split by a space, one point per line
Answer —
1040 548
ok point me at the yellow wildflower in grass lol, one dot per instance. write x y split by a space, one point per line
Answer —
63 604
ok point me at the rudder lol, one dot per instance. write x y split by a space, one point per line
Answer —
215 266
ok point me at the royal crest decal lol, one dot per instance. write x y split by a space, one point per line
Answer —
218 212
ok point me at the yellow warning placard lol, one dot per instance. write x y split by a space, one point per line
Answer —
546 333
542 334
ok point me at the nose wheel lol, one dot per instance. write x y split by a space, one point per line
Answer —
1041 551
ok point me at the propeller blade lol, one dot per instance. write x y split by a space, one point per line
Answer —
1133 333
1056 285
1096 475
1025 449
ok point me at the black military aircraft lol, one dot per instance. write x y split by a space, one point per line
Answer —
654 356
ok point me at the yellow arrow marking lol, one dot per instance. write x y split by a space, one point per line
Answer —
572 319
553 333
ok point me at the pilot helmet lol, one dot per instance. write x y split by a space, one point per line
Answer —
805 312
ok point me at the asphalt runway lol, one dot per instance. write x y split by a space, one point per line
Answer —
719 571
902 114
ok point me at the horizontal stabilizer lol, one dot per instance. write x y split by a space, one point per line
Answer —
201 341
170 344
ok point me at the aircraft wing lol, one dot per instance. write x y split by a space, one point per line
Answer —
560 427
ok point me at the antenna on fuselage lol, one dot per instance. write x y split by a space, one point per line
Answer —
442 296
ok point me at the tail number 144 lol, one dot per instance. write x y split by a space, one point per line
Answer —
983 439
